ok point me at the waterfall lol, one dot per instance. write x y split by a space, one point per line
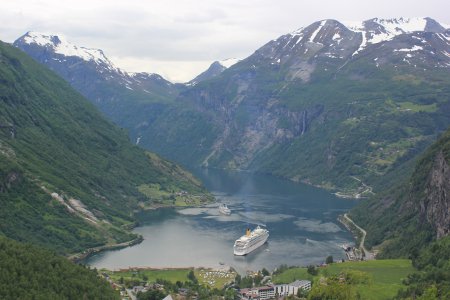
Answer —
304 123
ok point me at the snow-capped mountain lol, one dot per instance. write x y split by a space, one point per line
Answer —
314 101
331 44
64 56
91 73
380 30
59 45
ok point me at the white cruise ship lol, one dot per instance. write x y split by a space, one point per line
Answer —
250 241
223 209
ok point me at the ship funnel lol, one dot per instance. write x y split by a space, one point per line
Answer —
247 233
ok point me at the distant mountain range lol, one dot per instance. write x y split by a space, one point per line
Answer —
214 70
336 105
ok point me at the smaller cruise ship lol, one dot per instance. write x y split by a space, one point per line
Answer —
250 241
224 210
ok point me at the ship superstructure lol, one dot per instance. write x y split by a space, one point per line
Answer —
250 241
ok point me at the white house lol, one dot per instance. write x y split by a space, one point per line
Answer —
292 288
270 291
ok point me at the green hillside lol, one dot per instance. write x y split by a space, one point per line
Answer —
69 179
363 125
369 127
432 278
407 216
382 278
29 272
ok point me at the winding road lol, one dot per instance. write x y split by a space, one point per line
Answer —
367 253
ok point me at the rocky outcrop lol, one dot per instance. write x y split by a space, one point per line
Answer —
9 180
435 207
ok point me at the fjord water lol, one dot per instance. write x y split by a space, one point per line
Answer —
301 220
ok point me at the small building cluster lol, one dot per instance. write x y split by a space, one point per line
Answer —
271 291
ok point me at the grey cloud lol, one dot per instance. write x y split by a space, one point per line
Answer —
203 17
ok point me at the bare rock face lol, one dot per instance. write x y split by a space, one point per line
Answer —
436 205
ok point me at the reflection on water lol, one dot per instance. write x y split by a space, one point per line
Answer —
301 220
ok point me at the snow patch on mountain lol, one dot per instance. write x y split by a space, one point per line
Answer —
63 47
379 30
414 48
313 36
229 62
336 36
297 32
403 25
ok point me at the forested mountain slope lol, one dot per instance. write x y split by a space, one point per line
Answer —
29 272
69 179
409 215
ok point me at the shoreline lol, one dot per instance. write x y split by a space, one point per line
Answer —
356 194
78 257
87 253
359 235
157 206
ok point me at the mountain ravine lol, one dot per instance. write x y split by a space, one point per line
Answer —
336 105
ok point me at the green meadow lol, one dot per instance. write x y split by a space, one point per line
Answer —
385 276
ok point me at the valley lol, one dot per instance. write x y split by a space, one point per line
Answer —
333 122
338 106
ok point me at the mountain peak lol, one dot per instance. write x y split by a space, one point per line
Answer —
214 70
393 25
378 30
60 46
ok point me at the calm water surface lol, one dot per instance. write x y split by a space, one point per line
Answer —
301 220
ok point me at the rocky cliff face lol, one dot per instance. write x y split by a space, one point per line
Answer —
435 206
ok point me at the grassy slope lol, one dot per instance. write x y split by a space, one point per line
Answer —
62 143
386 276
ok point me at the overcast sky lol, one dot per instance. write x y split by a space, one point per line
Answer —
179 39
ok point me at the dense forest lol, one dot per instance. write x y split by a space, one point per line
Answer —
432 280
29 272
